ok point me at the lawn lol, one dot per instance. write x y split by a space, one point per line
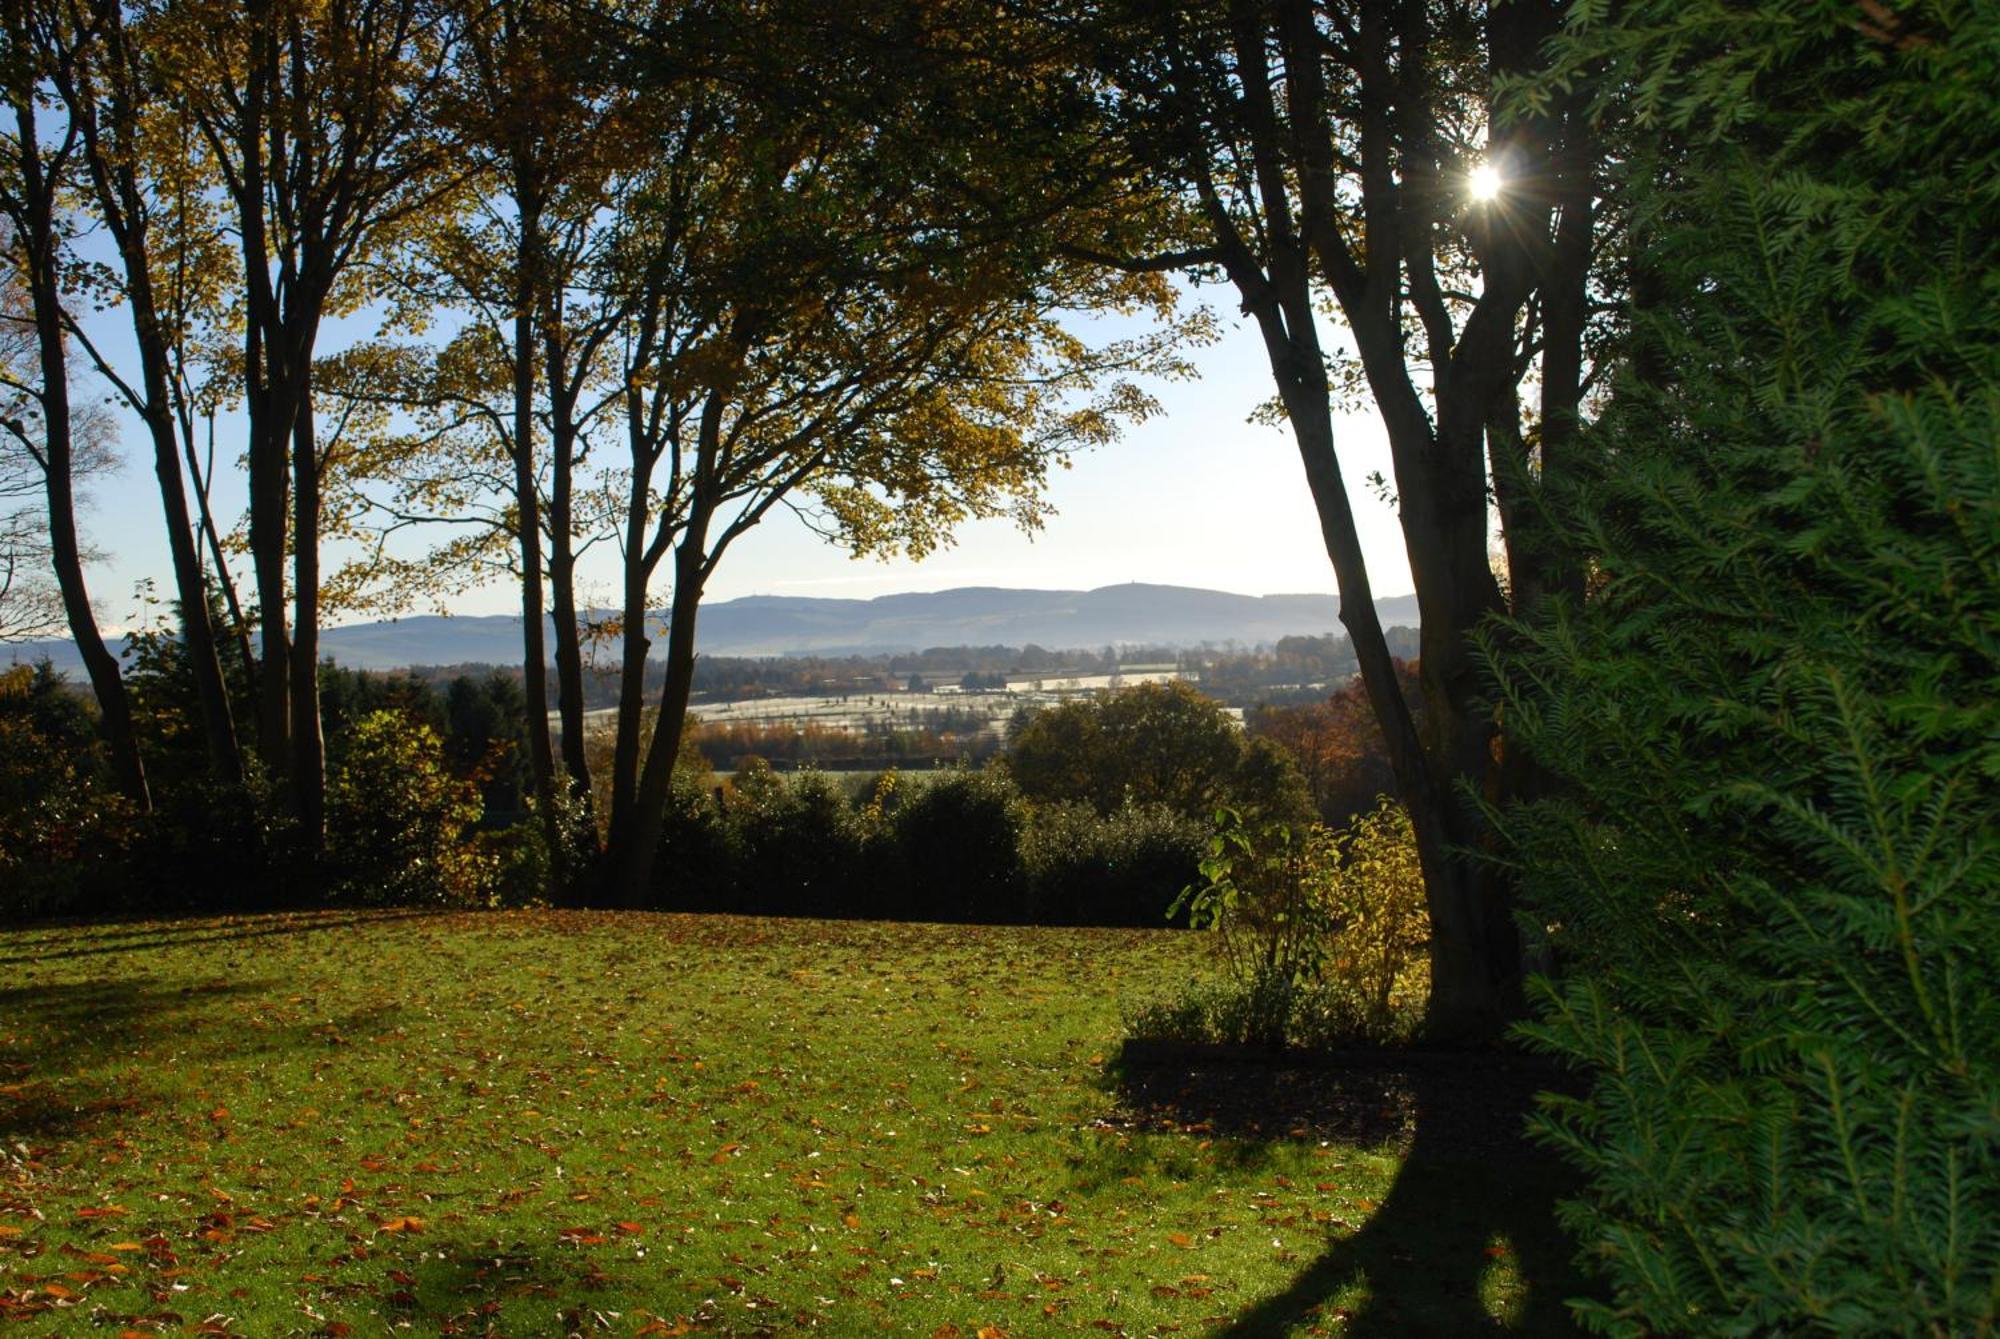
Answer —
549 1123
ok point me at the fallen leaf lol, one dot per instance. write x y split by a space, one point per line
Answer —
402 1225
1182 1240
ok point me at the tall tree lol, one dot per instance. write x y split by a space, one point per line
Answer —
39 415
815 329
143 182
511 407
319 118
1323 154
557 140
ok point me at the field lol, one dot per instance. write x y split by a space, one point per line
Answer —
551 1123
883 710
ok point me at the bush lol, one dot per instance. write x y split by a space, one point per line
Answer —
955 851
1374 896
64 832
1125 868
538 862
397 821
216 846
797 843
1323 933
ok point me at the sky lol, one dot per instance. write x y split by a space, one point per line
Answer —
1195 496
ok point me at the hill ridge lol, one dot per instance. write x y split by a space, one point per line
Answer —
1127 614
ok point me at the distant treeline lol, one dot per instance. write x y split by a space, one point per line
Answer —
1295 670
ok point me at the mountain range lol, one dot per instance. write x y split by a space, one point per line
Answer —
774 625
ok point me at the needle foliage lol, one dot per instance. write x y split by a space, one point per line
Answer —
1774 724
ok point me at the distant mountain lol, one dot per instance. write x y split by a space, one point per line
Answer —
775 625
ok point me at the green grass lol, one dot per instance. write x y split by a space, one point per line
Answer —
540 1123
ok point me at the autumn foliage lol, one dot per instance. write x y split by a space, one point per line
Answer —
1337 745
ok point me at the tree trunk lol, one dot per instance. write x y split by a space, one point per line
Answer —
308 773
635 847
634 643
225 758
562 583
98 662
1474 962
240 626
627 751
269 409
270 502
1565 292
528 525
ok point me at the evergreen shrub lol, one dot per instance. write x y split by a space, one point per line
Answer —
1771 858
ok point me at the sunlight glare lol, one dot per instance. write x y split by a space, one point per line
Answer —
1485 182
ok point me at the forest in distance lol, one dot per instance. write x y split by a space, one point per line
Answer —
1617 949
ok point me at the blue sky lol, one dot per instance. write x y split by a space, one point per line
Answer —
1197 496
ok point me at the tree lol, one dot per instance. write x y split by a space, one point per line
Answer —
318 119
1150 744
140 172
1319 155
509 406
1773 859
39 416
849 338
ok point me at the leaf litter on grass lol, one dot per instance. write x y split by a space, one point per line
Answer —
526 1123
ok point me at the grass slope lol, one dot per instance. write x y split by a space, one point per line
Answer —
547 1123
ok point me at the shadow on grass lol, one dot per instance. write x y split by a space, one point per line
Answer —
83 939
480 1288
68 1050
1466 1241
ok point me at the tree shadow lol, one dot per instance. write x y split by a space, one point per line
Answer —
66 1047
480 1287
1473 1201
52 942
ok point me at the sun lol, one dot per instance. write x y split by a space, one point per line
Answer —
1485 182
